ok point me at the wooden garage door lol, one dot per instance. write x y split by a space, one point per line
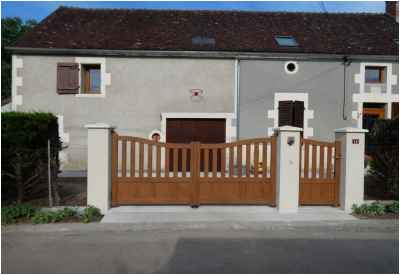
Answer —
187 130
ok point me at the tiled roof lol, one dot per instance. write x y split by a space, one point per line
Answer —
120 29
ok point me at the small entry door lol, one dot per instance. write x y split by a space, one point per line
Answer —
203 130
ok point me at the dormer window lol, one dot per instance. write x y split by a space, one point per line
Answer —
286 41
374 74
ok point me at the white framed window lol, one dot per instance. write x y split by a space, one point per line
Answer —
93 78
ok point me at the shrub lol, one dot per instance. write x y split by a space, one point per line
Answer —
382 147
91 214
24 152
53 216
375 209
43 217
10 214
393 208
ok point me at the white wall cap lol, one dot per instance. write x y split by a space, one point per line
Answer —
99 126
288 129
351 130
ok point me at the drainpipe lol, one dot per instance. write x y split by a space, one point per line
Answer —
346 63
237 74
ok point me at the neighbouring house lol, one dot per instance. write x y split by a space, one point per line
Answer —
209 76
6 104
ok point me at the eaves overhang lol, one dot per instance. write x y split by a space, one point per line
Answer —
198 54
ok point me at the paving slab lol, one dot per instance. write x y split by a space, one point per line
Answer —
215 214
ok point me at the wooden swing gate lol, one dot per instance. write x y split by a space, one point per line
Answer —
150 172
319 172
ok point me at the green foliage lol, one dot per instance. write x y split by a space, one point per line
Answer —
53 216
10 214
393 208
29 130
11 30
91 214
375 209
24 152
43 217
383 147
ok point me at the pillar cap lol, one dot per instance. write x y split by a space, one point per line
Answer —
99 126
288 129
351 130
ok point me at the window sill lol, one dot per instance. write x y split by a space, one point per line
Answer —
91 95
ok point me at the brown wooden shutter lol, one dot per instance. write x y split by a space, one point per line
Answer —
67 78
298 114
285 113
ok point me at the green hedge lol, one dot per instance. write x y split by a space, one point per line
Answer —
24 139
383 147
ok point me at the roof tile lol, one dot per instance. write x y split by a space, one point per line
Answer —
120 29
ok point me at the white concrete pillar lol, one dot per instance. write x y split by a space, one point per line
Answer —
288 169
99 166
352 145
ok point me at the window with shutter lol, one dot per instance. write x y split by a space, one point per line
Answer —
298 114
291 113
285 113
67 78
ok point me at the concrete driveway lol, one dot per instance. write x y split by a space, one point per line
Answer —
220 214
274 247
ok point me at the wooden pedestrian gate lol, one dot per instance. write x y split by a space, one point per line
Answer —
149 172
319 172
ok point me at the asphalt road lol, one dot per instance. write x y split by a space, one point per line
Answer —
283 248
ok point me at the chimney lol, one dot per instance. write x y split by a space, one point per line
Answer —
392 9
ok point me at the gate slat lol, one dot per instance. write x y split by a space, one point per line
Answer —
123 158
133 157
248 150
158 161
175 161
166 162
329 164
223 162
149 160
239 160
265 159
256 159
231 162
314 161
184 156
206 155
321 161
214 162
141 159
306 160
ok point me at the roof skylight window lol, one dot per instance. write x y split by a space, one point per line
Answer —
203 40
286 41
